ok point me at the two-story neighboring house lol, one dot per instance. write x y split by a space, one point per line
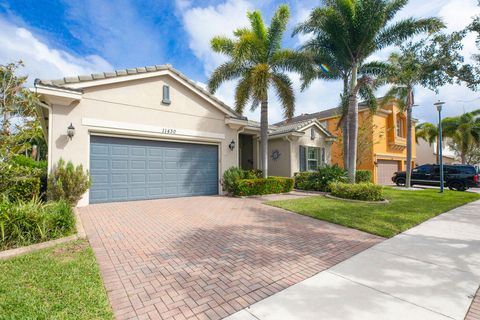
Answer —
381 139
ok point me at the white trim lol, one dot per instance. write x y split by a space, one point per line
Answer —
148 128
319 126
58 92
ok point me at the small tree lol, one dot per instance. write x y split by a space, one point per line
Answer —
464 132
429 63
16 101
67 182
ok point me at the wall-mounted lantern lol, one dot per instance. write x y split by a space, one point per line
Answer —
231 146
70 131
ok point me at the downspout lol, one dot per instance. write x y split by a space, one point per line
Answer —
290 154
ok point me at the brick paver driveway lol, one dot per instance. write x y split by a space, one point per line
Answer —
207 257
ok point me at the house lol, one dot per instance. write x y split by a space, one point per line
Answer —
150 132
427 153
381 138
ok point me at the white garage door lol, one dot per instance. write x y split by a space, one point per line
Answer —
385 170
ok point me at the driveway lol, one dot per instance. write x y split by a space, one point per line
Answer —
208 257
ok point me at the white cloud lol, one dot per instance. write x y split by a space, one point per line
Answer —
40 61
202 24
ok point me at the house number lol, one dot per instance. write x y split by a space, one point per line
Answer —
169 131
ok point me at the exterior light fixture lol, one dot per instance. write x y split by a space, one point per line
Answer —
70 131
231 146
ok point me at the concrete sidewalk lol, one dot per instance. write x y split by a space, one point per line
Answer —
431 271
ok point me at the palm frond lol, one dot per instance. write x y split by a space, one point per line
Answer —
260 79
284 88
223 45
242 93
227 71
404 29
277 27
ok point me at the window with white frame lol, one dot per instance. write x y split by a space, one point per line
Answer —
311 158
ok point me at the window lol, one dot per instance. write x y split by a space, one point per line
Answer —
423 169
311 158
166 95
312 133
400 129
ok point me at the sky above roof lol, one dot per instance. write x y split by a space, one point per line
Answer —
67 37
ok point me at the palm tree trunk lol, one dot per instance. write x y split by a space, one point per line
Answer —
352 126
409 139
264 137
345 138
345 135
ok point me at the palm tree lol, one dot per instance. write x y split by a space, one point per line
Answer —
428 132
326 66
257 58
464 132
354 30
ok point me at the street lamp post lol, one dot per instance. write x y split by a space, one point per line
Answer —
439 104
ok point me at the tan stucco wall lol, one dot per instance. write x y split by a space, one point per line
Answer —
426 154
281 166
136 107
288 166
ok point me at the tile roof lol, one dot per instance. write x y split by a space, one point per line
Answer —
294 127
318 115
66 81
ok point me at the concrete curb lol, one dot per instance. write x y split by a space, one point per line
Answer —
35 247
357 201
47 244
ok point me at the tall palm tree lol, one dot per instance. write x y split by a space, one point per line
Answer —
464 131
325 66
354 30
257 59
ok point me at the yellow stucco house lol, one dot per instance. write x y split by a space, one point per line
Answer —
382 139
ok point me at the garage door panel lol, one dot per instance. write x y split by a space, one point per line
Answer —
385 171
130 169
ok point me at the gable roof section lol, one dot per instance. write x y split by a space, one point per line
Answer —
298 127
77 83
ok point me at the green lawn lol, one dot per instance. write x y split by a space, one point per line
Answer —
405 210
62 282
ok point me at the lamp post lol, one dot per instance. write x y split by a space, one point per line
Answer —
439 104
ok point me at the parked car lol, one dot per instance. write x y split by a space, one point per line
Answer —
458 177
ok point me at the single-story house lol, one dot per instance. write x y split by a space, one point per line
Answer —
150 132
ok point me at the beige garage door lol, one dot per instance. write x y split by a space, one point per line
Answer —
385 170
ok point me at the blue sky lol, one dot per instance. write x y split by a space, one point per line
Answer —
70 37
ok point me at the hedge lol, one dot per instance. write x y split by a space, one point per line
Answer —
259 186
27 222
18 182
363 176
319 180
232 175
358 191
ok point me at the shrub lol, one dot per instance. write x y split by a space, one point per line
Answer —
19 183
42 165
319 180
359 191
363 176
67 182
27 222
25 161
230 179
259 186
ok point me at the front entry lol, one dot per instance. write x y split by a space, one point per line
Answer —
132 169
245 151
